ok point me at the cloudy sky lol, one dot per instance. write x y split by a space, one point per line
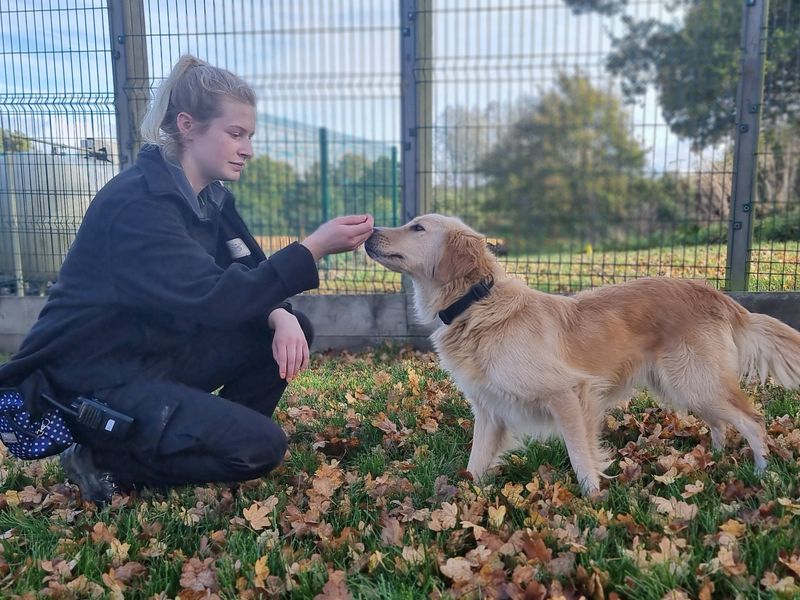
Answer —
331 63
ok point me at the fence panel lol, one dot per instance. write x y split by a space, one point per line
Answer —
58 132
775 250
591 141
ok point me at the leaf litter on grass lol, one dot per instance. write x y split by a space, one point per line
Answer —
373 502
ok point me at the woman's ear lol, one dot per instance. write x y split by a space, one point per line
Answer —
185 123
464 253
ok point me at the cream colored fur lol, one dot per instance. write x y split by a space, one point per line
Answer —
533 364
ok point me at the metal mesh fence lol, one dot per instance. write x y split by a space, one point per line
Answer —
57 121
578 137
592 142
775 250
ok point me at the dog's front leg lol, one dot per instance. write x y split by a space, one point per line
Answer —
575 431
487 435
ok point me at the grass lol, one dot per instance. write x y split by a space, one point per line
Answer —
372 502
774 267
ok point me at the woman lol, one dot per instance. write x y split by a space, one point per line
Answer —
165 297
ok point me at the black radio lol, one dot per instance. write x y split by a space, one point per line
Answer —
94 414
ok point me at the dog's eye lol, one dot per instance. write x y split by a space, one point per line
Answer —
417 227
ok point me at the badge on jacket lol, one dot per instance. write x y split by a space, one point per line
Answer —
238 248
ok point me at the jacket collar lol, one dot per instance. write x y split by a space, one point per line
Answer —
165 177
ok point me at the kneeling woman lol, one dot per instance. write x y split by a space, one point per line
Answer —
165 297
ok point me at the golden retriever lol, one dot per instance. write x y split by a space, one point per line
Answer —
533 364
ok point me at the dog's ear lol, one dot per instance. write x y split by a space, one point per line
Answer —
464 254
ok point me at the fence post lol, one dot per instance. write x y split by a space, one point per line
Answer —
749 94
323 182
16 248
416 102
416 120
394 186
323 172
131 78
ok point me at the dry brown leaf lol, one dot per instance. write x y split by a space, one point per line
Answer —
199 575
497 515
381 378
458 569
733 527
258 516
536 550
335 588
692 489
730 562
128 571
786 585
444 518
260 572
103 533
792 562
392 533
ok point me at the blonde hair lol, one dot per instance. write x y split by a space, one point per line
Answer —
196 88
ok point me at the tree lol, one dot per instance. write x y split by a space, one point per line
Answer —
570 155
262 192
14 141
694 64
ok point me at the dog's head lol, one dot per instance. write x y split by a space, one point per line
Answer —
432 248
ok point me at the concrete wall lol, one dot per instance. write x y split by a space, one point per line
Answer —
357 321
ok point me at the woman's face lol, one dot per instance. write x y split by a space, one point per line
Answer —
220 151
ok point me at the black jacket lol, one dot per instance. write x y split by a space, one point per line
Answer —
145 273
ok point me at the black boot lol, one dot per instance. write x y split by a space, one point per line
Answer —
95 485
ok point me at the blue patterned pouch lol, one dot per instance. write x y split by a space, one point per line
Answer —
29 438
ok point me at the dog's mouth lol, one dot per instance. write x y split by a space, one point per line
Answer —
380 255
376 254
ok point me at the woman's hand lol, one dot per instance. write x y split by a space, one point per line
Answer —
289 345
339 235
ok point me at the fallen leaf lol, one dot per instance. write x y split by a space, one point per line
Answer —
392 533
444 518
335 588
258 516
457 569
199 575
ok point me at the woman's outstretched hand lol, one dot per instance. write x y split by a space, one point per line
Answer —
289 344
341 234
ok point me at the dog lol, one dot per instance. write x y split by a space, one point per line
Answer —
533 364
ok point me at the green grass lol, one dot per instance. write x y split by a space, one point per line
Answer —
383 436
774 267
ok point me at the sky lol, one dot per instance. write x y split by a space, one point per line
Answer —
326 63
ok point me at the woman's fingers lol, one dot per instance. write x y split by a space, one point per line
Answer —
306 356
279 352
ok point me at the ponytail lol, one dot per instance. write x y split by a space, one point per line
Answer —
196 88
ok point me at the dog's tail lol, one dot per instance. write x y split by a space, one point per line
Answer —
769 347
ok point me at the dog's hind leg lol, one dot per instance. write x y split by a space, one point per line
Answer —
735 408
576 429
487 438
713 392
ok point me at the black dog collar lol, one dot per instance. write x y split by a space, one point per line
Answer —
475 293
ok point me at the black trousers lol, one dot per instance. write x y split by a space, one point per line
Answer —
184 434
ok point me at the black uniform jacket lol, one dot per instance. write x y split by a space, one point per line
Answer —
145 273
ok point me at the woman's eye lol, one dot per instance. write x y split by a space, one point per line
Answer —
417 227
235 135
